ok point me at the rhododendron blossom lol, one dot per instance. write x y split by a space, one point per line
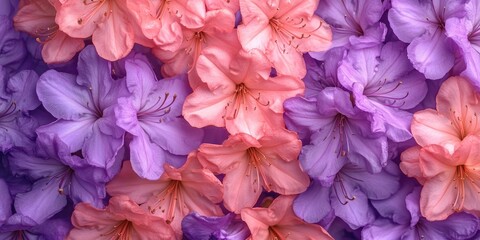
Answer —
283 29
239 95
250 165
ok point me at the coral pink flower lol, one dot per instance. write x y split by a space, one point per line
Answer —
177 193
239 95
161 20
283 29
37 17
109 22
456 116
278 221
218 32
250 165
122 219
232 5
451 181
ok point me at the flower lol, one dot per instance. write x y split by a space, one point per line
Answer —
12 48
422 24
177 193
455 117
5 202
279 222
198 227
383 90
283 30
451 182
121 219
152 115
84 108
22 227
252 165
108 22
38 19
239 95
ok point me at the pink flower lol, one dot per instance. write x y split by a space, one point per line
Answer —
37 17
451 182
218 32
251 166
122 219
161 20
283 29
278 221
108 22
239 95
455 118
177 193
232 5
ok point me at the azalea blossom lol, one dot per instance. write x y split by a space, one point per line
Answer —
38 19
252 165
121 219
108 22
152 115
456 116
283 30
451 182
278 221
177 193
240 95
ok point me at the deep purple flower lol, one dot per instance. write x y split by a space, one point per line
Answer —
152 114
457 226
8 7
57 175
338 132
385 84
355 24
17 99
322 74
348 196
83 106
465 32
5 202
21 227
422 24
12 47
228 227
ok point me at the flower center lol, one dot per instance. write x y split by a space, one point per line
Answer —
8 114
466 122
257 159
159 109
121 231
384 92
169 197
45 34
241 98
343 190
98 5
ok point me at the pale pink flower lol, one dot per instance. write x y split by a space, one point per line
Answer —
239 95
283 30
456 116
108 22
177 193
161 20
217 32
279 222
451 182
122 219
232 5
251 165
37 17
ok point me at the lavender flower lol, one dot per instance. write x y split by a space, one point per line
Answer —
228 227
384 83
5 202
12 48
355 24
21 227
152 115
83 106
339 133
422 24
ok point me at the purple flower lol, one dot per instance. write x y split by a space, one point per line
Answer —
57 175
384 83
21 227
228 227
355 24
12 47
152 114
465 32
456 226
338 132
422 24
83 106
8 7
348 196
17 99
322 74
5 202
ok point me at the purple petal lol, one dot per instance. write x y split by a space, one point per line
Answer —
301 116
371 37
23 163
409 18
5 202
356 213
146 157
196 226
22 86
431 54
72 133
62 97
42 202
456 226
384 229
313 205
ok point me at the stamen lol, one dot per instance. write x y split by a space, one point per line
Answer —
338 179
159 109
240 99
172 194
121 231
257 160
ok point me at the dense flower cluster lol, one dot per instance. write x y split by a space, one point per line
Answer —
239 119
